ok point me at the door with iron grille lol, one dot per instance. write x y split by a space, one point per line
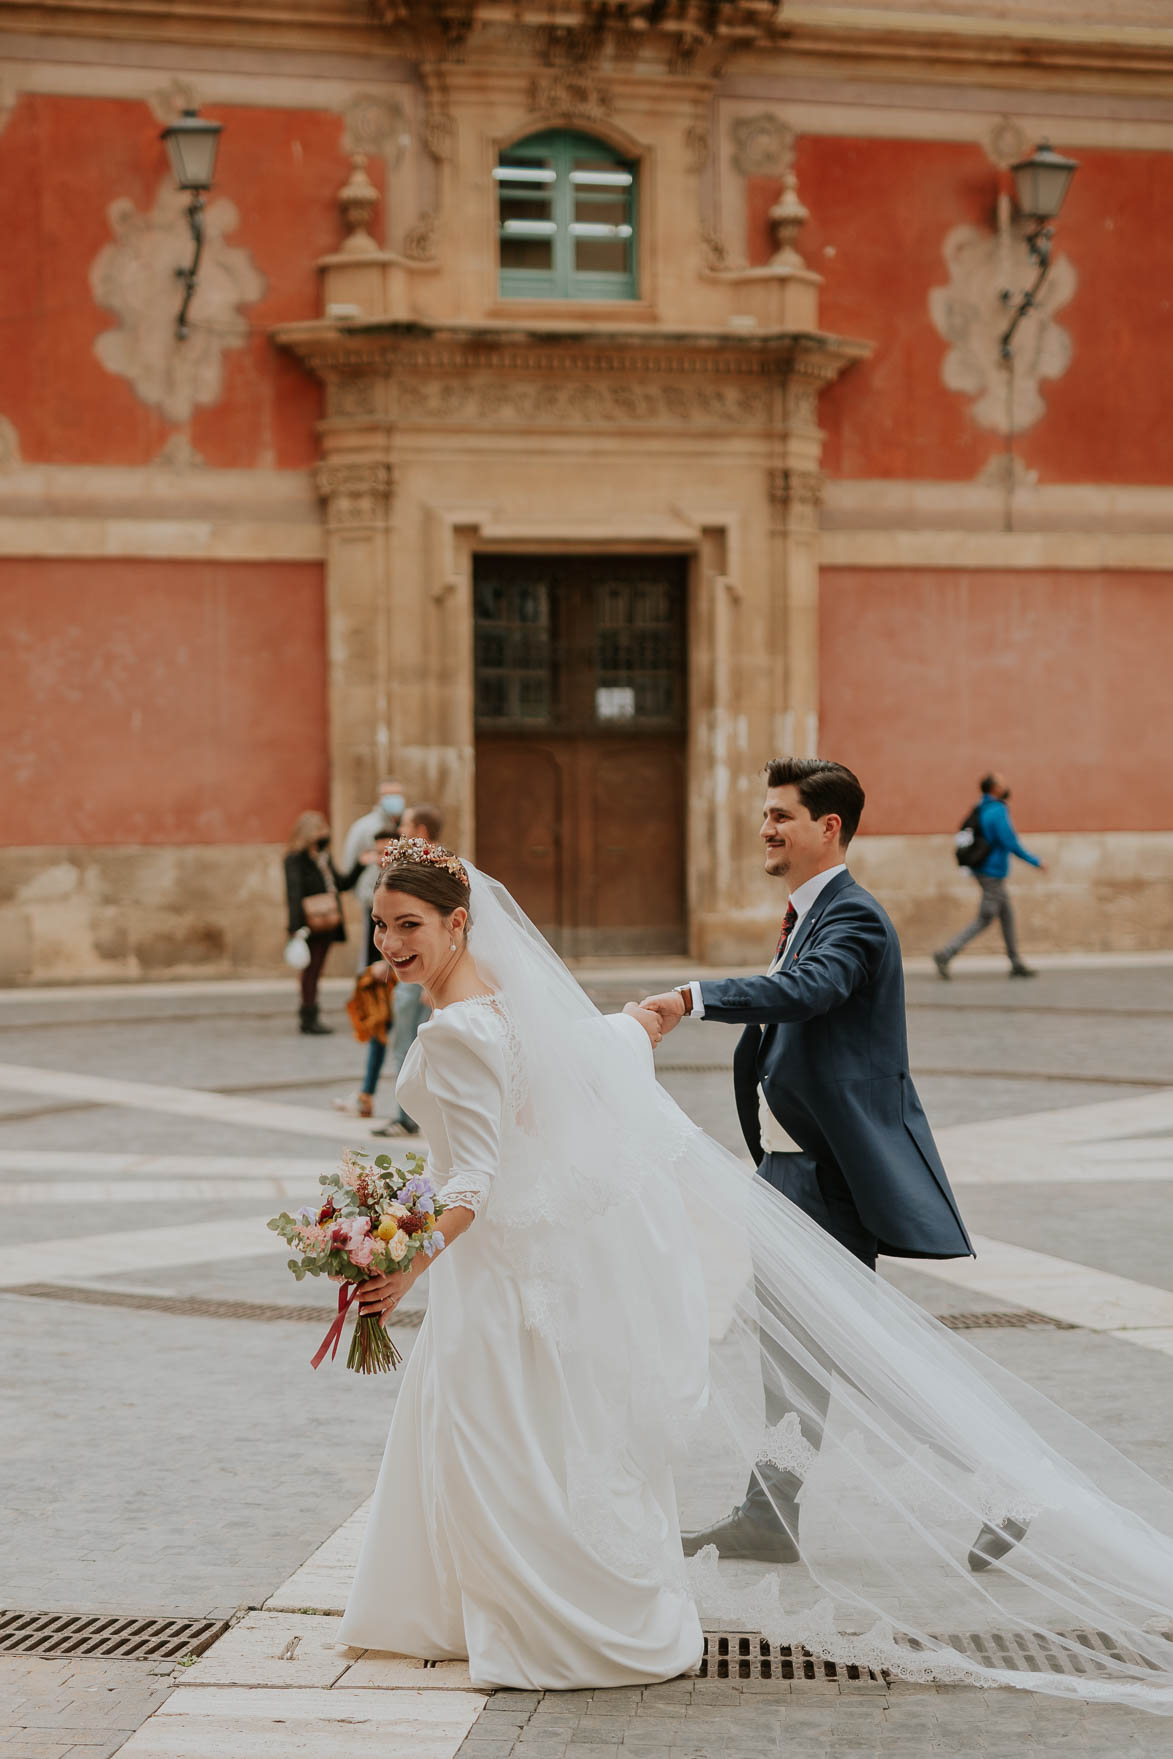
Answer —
581 720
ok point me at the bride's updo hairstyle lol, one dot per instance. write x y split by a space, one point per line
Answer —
428 872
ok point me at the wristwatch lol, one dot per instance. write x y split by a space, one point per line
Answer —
684 991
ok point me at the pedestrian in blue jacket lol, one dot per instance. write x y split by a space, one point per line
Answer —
994 826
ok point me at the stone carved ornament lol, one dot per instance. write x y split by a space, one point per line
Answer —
356 491
135 278
376 126
763 145
566 92
582 403
970 316
802 490
352 396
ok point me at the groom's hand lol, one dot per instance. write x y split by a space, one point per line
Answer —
669 1007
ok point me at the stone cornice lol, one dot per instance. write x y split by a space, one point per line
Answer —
320 25
330 349
945 46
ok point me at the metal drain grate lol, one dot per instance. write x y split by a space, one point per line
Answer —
1037 1652
195 1306
741 1655
1008 1316
105 1634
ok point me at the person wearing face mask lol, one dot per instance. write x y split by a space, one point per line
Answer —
312 887
383 817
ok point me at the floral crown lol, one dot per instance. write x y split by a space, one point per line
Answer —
417 852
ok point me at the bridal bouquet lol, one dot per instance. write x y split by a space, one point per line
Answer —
374 1219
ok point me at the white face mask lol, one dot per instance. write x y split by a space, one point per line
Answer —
392 805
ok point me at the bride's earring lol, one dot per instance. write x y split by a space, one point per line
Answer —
452 946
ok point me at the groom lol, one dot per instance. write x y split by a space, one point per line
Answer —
826 1102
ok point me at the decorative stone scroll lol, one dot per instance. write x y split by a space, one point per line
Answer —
357 492
698 146
135 278
419 242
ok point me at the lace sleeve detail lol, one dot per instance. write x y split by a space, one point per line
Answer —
465 1190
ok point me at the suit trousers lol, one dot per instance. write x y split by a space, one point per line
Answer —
822 1193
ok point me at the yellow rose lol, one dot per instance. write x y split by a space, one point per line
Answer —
397 1246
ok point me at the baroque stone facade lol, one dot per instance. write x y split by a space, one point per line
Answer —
251 559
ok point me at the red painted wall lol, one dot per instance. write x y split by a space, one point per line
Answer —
160 702
880 213
62 162
931 677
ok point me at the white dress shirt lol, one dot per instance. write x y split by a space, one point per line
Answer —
774 1138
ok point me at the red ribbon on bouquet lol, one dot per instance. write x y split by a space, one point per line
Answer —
346 1294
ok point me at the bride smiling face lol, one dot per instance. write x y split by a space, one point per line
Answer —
419 940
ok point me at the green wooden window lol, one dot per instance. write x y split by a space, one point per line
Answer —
566 219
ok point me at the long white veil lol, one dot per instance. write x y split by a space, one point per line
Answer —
689 1298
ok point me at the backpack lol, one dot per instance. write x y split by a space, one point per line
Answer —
971 845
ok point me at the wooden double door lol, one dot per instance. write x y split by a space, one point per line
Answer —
581 720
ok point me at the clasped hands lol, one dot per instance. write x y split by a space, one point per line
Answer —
658 1014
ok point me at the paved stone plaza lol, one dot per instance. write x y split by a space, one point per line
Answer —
162 1458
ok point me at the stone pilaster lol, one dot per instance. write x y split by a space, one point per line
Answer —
357 496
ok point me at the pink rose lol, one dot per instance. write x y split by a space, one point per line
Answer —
361 1252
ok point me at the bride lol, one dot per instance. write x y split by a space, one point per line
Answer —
613 1293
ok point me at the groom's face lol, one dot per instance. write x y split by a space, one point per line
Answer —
796 844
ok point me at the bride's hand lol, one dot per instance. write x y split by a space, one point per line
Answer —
649 1021
382 1294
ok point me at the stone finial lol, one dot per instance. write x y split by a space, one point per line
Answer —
358 198
787 219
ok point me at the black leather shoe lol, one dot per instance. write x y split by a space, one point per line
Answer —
1023 971
993 1543
738 1536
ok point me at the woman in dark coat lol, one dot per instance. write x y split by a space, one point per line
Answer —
312 886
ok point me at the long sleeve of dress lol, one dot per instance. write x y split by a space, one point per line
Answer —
463 1066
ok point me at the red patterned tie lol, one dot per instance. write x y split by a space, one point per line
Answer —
788 922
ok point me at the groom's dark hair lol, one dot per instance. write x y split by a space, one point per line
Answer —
823 787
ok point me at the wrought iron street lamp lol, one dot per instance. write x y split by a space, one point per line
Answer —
192 144
1040 183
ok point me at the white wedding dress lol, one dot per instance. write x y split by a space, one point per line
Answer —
472 1547
594 1353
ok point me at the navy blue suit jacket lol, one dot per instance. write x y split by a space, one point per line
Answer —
827 1039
